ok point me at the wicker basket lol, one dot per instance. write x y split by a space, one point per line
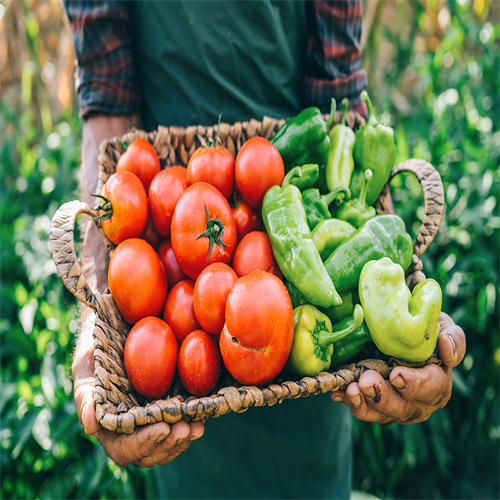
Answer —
118 406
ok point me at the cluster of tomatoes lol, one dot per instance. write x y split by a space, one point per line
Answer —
195 276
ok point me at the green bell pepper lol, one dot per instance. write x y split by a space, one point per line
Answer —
316 206
381 236
351 346
293 248
329 234
304 138
303 177
338 313
357 212
340 162
314 339
374 149
402 324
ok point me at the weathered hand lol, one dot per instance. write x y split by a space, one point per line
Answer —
147 446
410 395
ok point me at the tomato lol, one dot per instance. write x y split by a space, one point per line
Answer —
150 234
257 336
165 190
258 167
210 293
150 357
247 219
179 310
173 271
137 280
214 165
255 252
141 159
203 229
199 363
124 209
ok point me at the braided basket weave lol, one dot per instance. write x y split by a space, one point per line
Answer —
118 406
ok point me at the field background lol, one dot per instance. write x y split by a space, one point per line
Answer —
433 73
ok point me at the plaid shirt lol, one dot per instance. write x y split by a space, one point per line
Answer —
107 76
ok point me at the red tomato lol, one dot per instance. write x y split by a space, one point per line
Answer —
203 229
214 165
137 280
141 159
255 252
164 193
129 207
247 219
199 363
210 293
258 167
150 357
257 337
179 310
150 235
172 269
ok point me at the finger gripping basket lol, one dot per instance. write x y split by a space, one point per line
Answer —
118 406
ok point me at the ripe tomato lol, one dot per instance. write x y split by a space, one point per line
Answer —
257 337
199 363
150 357
173 271
210 293
141 159
179 310
255 252
246 218
258 167
150 234
215 165
164 193
203 229
124 210
137 280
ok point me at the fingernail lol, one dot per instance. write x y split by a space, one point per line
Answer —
399 382
370 392
336 398
161 437
452 340
356 400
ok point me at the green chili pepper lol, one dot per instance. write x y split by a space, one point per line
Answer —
350 346
304 138
374 149
381 236
303 177
357 212
329 234
338 313
314 340
293 248
402 324
316 206
340 162
295 296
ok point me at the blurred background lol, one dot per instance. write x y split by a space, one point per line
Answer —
433 74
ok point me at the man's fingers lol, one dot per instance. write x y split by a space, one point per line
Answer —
451 341
89 422
430 384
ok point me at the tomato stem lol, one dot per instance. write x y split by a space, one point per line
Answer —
106 207
213 231
123 145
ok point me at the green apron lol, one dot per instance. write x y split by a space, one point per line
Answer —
244 60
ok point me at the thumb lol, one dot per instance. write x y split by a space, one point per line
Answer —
84 401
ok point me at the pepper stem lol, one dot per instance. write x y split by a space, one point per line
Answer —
325 338
213 231
345 105
372 119
361 201
340 195
333 108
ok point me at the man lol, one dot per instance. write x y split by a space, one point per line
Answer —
183 63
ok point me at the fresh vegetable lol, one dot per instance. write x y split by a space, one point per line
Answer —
340 162
124 211
380 236
210 295
402 324
137 280
314 339
294 294
151 375
338 313
374 149
203 229
352 345
199 363
316 206
329 234
293 248
164 193
303 177
173 271
150 234
258 333
246 219
141 159
258 166
179 310
304 138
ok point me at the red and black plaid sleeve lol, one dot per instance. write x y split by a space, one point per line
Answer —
334 54
106 76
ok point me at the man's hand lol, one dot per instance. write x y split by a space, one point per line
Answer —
147 446
410 395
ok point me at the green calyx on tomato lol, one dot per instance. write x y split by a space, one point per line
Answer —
210 143
106 207
214 231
